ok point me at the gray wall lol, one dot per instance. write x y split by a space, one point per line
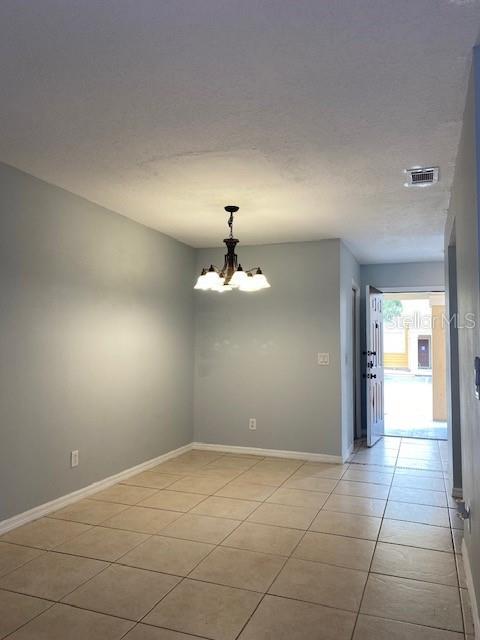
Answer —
413 275
256 353
96 342
464 214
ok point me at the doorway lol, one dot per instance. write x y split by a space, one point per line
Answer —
415 365
423 350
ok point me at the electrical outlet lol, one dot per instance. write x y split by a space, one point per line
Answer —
74 458
323 359
252 424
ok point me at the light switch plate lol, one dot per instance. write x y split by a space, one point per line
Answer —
323 359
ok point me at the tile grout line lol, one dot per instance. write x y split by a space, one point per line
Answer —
10 634
281 597
285 562
109 564
451 553
54 602
216 547
104 523
373 554
458 583
183 578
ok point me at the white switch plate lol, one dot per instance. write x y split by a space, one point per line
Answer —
323 358
74 458
252 424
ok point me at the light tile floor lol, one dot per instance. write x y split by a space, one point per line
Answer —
220 546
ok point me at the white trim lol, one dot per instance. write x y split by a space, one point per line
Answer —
274 453
433 288
471 590
349 452
63 501
358 362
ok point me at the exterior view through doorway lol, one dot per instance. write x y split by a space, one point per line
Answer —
415 365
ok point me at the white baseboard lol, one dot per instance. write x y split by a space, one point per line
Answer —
63 501
274 453
471 590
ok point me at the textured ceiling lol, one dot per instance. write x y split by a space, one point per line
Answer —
303 112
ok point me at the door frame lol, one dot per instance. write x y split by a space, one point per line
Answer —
450 387
431 288
453 369
357 362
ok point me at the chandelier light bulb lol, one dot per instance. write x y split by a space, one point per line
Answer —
260 280
249 284
201 283
239 277
212 279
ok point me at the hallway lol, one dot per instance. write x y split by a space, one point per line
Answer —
224 546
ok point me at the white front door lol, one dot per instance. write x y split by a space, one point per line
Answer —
374 366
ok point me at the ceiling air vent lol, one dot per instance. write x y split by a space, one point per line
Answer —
421 176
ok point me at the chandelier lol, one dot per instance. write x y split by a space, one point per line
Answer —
231 275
